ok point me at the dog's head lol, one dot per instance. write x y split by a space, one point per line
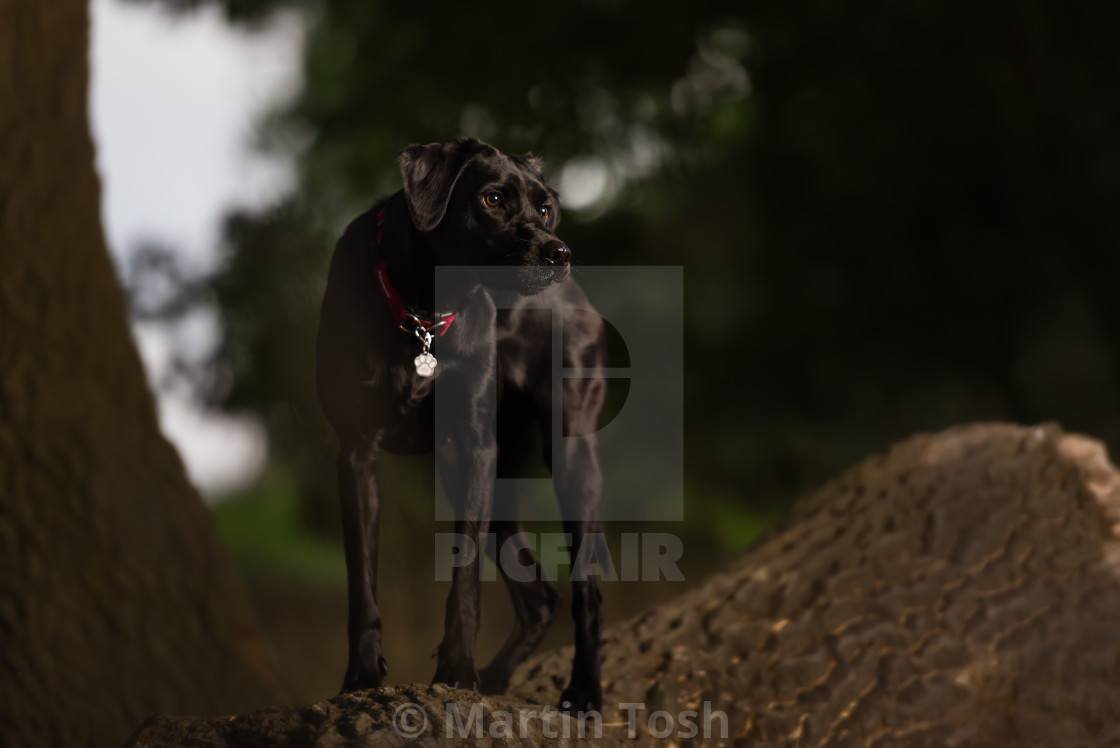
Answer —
480 207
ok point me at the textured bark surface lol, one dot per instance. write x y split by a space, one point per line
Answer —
116 599
963 589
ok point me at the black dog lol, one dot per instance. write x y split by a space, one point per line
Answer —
464 203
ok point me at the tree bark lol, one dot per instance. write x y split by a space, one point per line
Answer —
961 590
116 599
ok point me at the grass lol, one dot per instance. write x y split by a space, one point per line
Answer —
262 528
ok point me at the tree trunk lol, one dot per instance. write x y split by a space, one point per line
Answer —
116 599
962 590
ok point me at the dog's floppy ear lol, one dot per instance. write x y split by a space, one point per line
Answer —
430 172
535 162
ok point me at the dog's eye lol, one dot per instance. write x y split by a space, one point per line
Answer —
493 199
545 211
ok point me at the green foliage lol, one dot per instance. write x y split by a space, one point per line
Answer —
269 292
264 528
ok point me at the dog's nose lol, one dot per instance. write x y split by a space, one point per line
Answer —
556 253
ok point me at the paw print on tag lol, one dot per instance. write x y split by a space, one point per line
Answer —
425 364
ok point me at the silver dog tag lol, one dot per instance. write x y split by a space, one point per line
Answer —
425 364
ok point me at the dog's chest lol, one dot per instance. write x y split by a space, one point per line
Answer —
414 389
407 425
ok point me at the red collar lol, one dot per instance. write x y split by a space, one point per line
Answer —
406 319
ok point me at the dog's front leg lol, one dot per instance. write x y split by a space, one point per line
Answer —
579 486
467 463
357 486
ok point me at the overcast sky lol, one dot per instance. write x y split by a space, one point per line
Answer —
173 103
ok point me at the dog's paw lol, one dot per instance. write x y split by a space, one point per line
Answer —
360 682
576 699
459 677
359 678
